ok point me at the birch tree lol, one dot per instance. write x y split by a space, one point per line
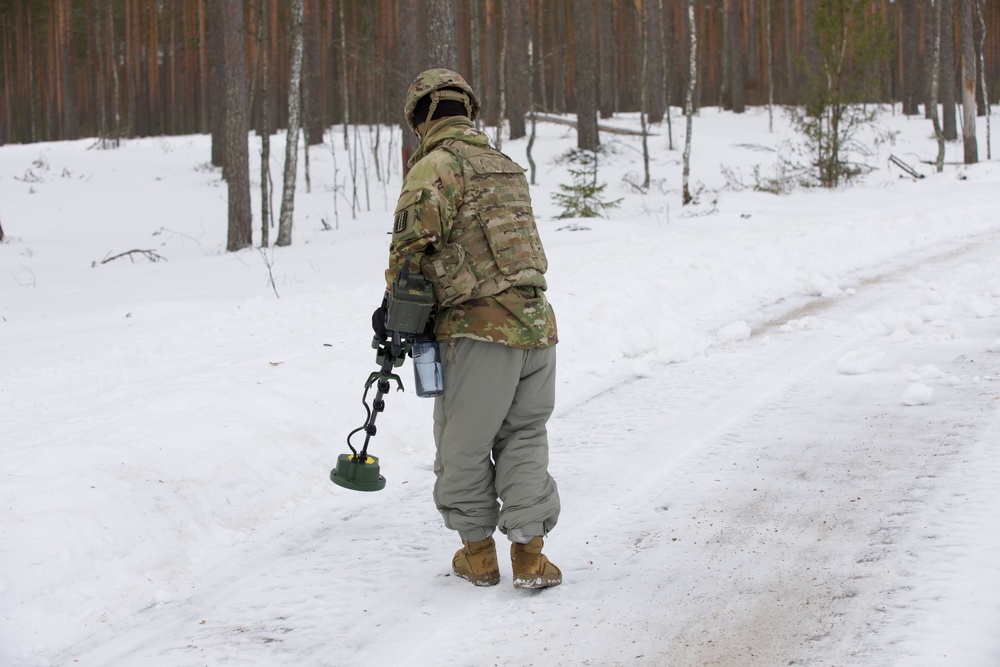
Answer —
967 56
294 124
666 52
982 72
935 79
689 99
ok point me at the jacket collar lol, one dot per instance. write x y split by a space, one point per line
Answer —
453 128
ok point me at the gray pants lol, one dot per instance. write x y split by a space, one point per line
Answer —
489 427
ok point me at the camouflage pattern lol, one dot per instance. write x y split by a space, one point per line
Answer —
431 80
495 226
489 281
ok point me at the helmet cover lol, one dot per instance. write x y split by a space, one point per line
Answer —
432 82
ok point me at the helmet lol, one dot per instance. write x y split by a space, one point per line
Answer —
433 82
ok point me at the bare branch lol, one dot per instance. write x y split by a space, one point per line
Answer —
151 255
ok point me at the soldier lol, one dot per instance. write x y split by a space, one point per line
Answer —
464 220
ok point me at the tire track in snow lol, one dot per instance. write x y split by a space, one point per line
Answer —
762 631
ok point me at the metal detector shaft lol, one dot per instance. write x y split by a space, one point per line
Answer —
378 403
391 352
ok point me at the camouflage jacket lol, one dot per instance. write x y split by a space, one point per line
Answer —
512 309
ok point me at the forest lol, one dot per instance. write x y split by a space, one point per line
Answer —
132 68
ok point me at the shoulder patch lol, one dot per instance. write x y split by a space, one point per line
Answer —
399 222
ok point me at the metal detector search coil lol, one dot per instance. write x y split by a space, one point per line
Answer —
352 473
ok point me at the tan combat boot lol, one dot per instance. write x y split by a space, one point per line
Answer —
531 568
477 562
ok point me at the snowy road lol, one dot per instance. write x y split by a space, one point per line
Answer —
776 433
772 502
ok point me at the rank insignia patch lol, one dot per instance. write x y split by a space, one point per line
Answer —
399 223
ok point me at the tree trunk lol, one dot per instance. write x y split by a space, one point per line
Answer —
411 64
737 59
217 115
475 77
531 98
645 28
607 47
935 79
750 67
100 87
67 68
502 74
312 77
770 66
967 59
442 34
173 107
265 130
8 105
152 98
294 122
652 81
981 48
237 126
689 99
946 89
204 71
518 66
586 76
668 69
928 10
790 78
558 51
911 64
726 89
540 94
979 35
344 80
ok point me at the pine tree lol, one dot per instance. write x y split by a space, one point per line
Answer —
582 199
850 49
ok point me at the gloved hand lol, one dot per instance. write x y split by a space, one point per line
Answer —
378 323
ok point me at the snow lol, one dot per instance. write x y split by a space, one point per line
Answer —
775 435
917 394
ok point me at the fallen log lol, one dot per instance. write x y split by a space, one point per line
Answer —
558 120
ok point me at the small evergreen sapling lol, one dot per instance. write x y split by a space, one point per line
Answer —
582 199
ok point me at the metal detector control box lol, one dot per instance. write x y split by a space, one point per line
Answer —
410 304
